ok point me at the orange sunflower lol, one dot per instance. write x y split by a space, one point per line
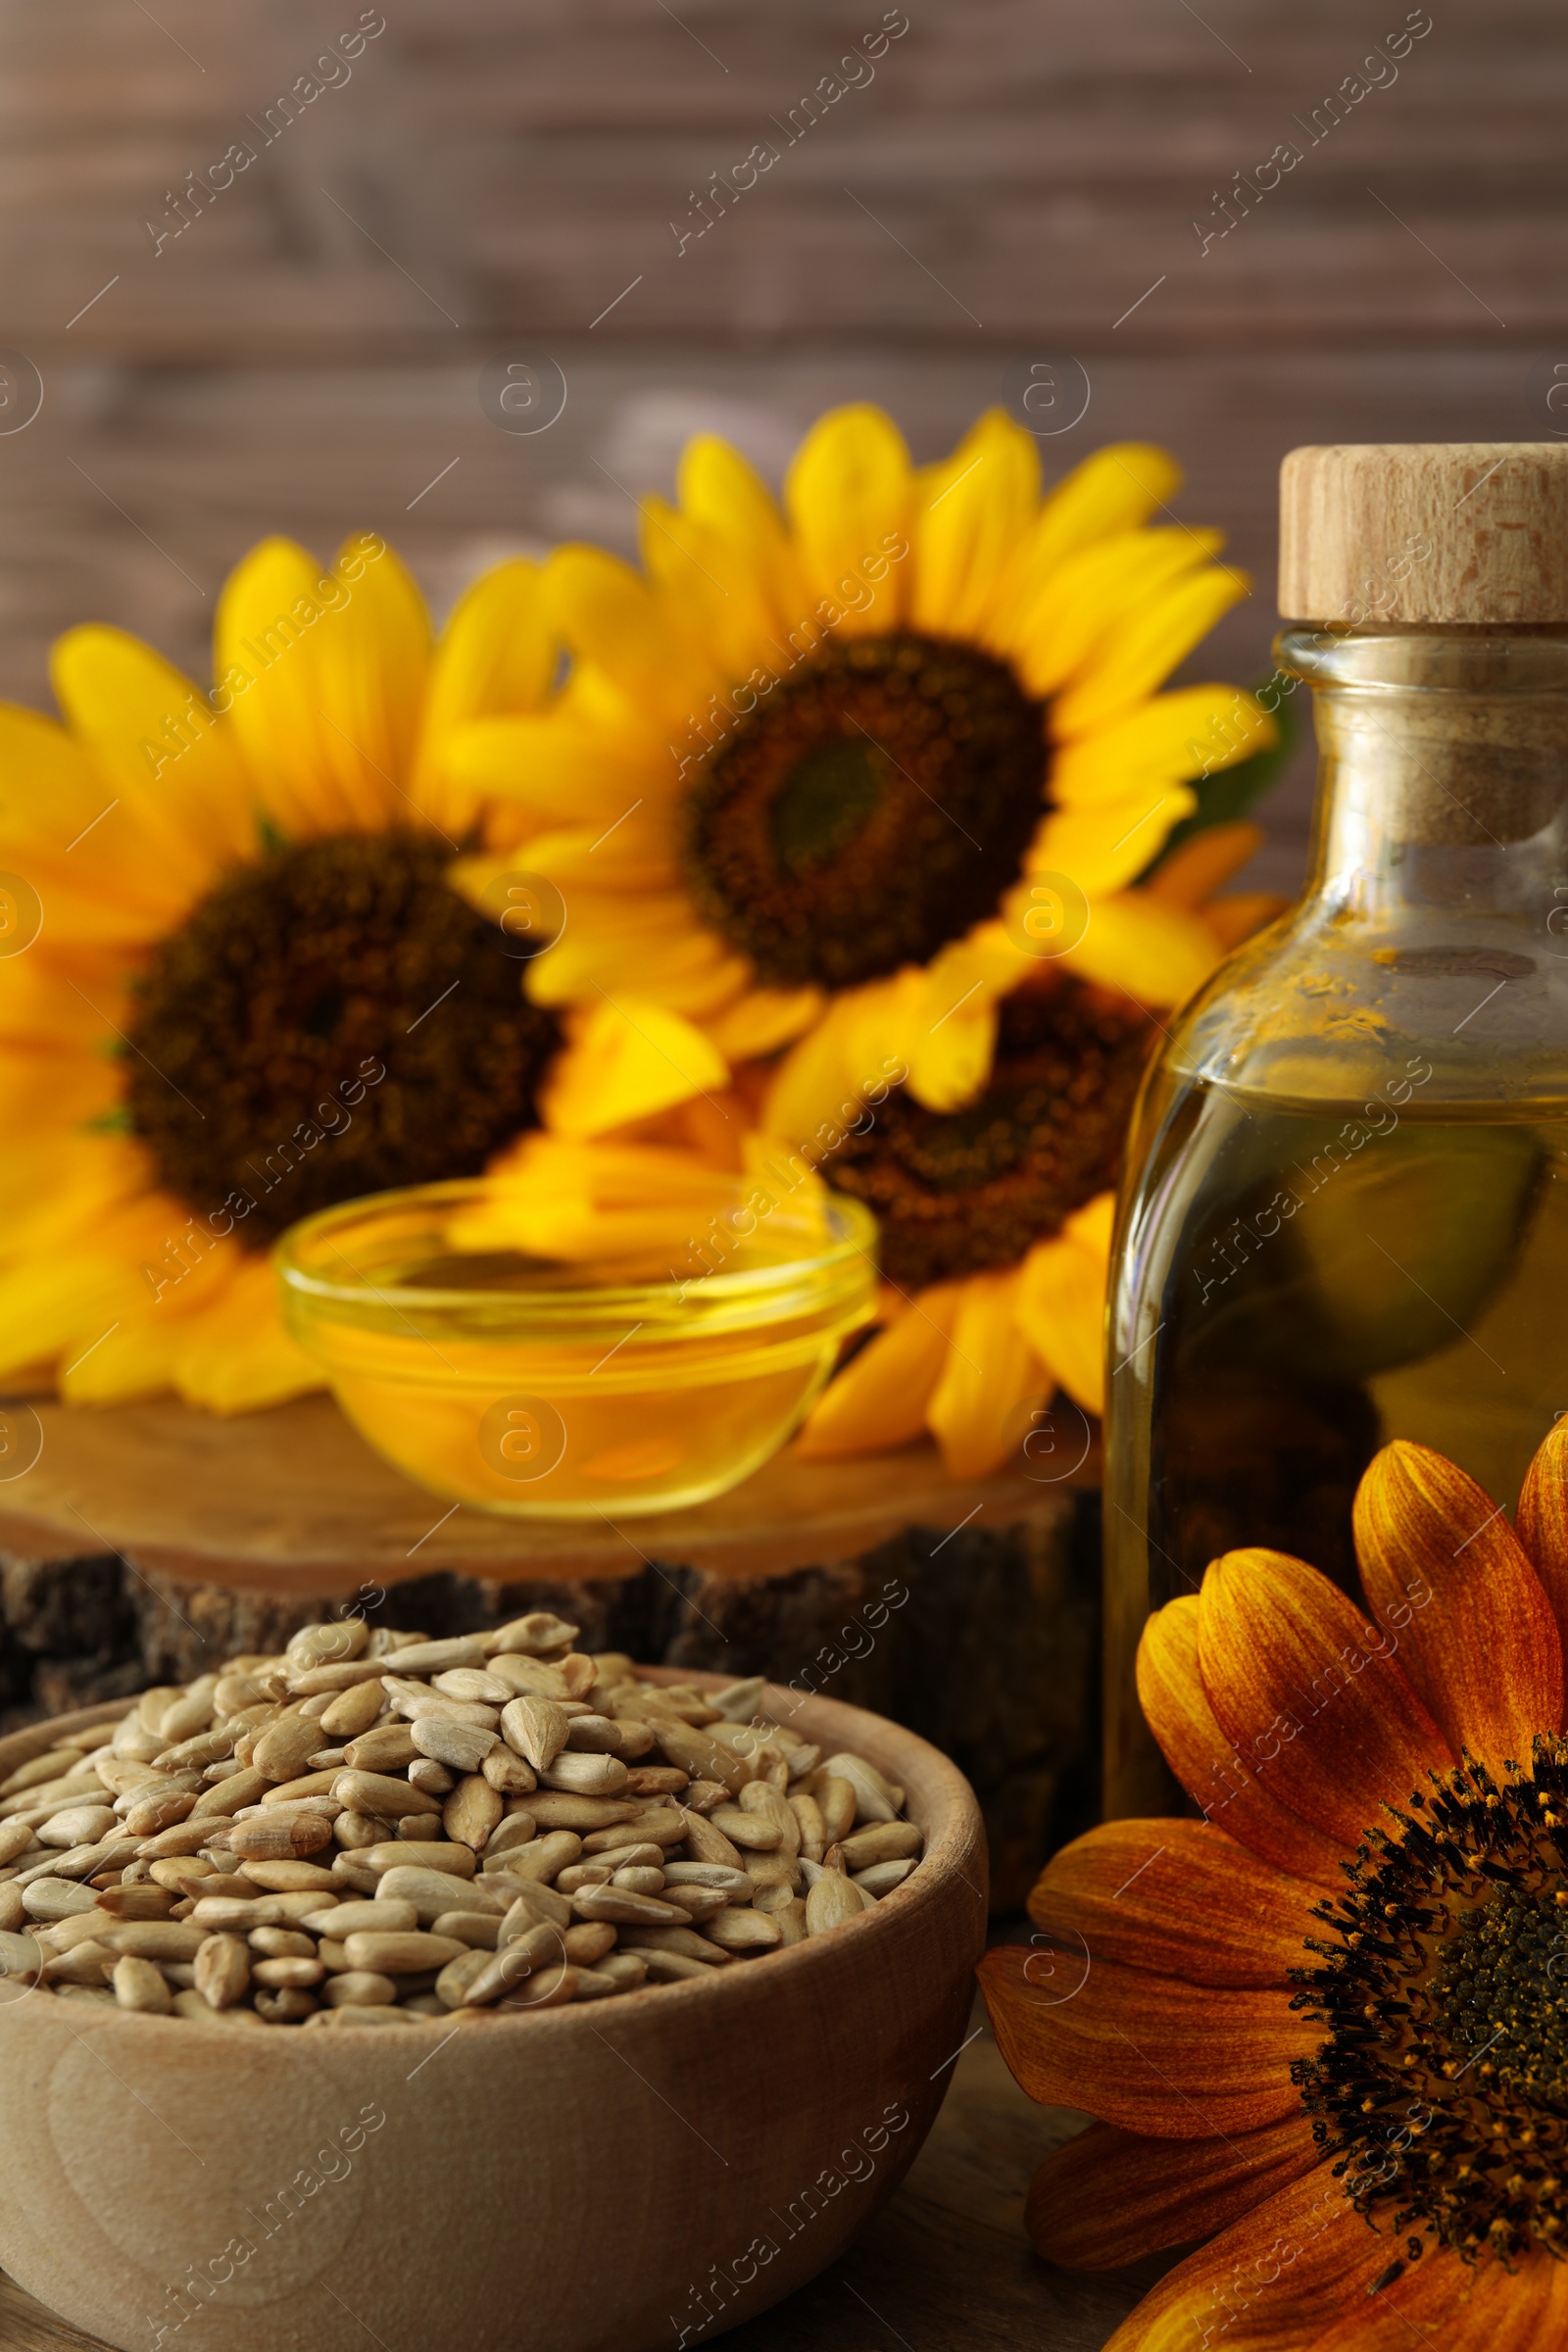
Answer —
1325 2028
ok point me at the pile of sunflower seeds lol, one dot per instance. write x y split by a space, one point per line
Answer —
375 1828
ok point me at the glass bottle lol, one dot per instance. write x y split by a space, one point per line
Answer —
1346 1219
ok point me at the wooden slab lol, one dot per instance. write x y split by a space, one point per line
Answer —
943 2268
294 1501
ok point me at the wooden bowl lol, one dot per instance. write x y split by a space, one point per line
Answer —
629 2175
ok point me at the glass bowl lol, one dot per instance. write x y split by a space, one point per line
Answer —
544 1389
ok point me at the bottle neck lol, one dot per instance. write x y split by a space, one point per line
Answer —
1443 778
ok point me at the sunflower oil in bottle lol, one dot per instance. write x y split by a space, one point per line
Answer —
1346 1219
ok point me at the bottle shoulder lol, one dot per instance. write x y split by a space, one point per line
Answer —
1325 1002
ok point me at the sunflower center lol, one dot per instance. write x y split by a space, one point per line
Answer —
962 1191
868 812
1443 2086
329 1021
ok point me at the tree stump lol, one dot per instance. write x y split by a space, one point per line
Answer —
969 1612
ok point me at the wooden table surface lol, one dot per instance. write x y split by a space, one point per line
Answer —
944 2267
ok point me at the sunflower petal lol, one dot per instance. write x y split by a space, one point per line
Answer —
1142 649
1271 2282
496 658
1084 607
848 494
1312 1693
990 1374
1060 1302
326 673
1110 2197
881 1397
1106 845
1542 1519
172 764
1191 731
1177 1897
977 505
615 617
1487 1657
1155 954
1113 491
235 1354
626 1062
1463 2307
554 768
764 1020
1209 1764
1153 2054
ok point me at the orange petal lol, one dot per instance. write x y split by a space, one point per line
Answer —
1311 1694
1542 1519
1450 1582
1440 2300
1295 2265
1110 2196
1178 1897
1208 1764
1178 2061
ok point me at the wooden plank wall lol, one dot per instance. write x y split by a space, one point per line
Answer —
1006 180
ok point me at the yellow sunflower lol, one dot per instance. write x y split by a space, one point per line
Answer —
996 1217
235 982
1325 2028
865 761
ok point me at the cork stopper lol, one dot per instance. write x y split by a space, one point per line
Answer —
1445 532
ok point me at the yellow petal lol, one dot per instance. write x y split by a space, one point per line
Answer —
1106 845
173 766
976 510
63 1301
561 773
725 495
1114 490
710 588
1140 653
991 1373
327 674
619 624
764 1020
636 856
496 656
235 1355
880 1398
1084 607
80 841
1061 1302
1157 955
1191 731
860 1048
848 494
627 1060
949 1056
651 949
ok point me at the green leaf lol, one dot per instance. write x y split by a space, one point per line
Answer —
272 839
1228 793
111 1122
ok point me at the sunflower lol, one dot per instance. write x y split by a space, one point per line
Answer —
865 761
996 1217
236 984
1325 2028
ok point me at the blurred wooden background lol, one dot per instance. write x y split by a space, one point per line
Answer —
1014 178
